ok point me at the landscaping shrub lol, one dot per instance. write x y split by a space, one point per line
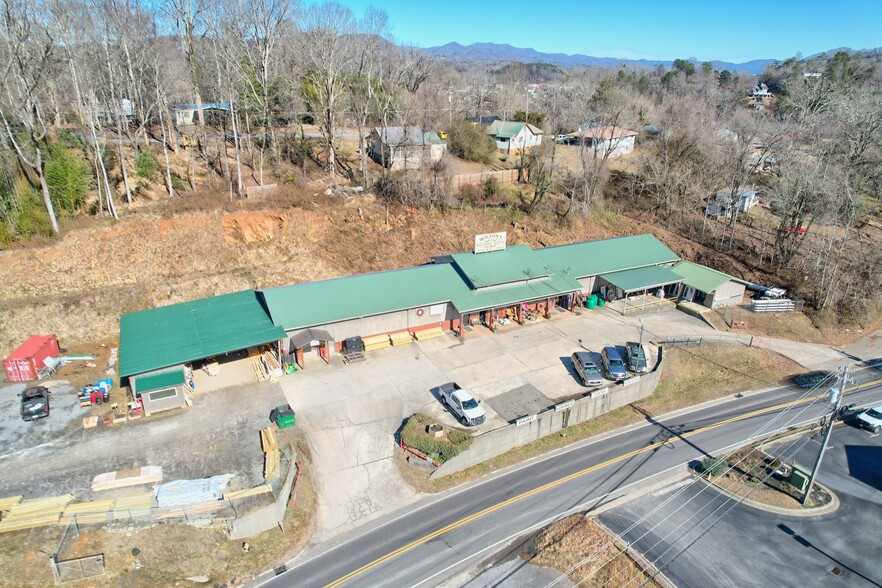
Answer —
713 466
414 434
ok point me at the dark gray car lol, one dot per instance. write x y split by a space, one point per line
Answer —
636 354
586 369
613 364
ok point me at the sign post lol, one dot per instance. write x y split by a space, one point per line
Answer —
490 242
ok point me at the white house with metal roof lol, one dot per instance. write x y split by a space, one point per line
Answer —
512 137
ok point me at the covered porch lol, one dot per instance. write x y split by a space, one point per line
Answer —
640 290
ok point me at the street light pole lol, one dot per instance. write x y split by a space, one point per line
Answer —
832 419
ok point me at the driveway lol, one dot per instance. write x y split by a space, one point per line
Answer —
352 412
750 547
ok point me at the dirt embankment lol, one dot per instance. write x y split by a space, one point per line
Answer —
78 286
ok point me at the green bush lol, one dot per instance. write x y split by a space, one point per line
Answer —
471 142
414 434
713 466
31 218
68 178
145 164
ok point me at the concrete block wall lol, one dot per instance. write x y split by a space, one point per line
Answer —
268 516
498 441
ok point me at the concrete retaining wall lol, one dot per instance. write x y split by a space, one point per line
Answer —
497 442
269 516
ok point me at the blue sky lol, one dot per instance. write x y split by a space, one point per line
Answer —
735 30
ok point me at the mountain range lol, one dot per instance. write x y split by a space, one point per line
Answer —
495 52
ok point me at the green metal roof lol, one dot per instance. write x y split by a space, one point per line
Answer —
592 258
156 380
180 333
504 129
328 301
431 137
549 287
700 277
643 278
512 264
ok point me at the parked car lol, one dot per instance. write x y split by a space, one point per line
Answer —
636 356
35 403
586 369
613 364
462 403
871 419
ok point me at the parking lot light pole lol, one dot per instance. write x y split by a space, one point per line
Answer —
831 418
641 334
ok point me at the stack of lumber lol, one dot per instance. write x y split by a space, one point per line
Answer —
432 333
376 342
124 478
272 366
272 459
133 505
256 491
34 513
259 370
401 338
88 513
90 422
9 502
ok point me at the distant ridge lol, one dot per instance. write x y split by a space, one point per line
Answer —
506 53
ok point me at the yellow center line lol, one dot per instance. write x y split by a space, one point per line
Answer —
564 480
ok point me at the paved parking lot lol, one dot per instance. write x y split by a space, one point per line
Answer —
750 547
352 412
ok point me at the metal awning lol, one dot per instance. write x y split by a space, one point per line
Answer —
301 338
644 278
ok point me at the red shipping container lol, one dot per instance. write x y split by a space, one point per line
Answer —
23 364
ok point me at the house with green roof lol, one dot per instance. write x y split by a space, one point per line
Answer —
707 286
512 137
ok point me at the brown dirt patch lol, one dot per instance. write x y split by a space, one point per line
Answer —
795 326
169 551
581 543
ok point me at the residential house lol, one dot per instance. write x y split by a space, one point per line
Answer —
512 137
405 147
722 203
186 114
612 140
761 91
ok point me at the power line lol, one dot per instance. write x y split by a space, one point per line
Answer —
679 492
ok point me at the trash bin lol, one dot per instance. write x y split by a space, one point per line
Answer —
283 416
592 301
600 301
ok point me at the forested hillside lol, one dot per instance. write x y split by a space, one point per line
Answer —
112 199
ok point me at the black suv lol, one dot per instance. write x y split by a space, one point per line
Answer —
35 403
636 355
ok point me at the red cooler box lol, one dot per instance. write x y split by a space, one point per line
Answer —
23 364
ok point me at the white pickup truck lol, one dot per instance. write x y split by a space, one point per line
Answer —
462 403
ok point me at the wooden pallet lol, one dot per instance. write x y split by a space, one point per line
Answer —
354 357
402 338
425 334
376 342
258 368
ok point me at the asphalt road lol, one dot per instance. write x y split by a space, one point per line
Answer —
442 536
841 548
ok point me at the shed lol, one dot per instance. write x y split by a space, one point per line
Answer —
610 140
405 147
161 389
707 286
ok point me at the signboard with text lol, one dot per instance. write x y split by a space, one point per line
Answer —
490 242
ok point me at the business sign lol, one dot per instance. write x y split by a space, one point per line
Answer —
489 242
598 393
564 405
525 420
436 309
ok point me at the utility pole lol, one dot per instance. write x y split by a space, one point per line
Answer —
830 420
641 334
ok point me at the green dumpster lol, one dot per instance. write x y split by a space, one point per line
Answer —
592 301
283 416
